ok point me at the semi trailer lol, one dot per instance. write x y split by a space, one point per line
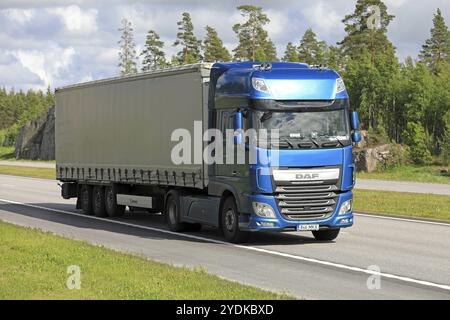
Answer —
141 141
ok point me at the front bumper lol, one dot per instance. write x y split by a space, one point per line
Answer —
257 223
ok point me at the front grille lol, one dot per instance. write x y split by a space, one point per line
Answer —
307 200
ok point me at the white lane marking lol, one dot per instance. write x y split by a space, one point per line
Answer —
402 219
8 185
270 252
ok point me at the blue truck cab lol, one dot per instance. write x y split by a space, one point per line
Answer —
303 179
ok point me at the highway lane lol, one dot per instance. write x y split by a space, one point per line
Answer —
407 252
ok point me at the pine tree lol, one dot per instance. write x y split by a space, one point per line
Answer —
127 55
366 29
310 50
191 46
372 66
334 58
214 49
153 55
291 53
436 50
254 43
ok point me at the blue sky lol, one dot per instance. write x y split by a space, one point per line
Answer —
63 42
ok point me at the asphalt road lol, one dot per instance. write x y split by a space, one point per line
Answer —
411 257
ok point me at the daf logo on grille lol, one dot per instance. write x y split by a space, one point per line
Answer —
307 176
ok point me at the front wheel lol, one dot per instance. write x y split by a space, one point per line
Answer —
173 214
230 222
326 235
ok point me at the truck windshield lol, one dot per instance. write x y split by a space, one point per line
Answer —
321 129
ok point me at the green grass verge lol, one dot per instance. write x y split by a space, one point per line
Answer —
33 265
404 204
44 173
6 153
430 174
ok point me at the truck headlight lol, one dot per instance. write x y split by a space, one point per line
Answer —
260 85
263 210
346 207
340 85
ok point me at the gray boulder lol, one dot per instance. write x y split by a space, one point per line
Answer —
370 159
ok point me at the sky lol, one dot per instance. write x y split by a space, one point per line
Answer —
57 43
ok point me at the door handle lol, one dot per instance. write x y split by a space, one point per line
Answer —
235 173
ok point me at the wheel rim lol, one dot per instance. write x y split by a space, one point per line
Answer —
229 220
172 211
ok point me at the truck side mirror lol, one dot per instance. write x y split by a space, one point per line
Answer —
354 122
238 123
356 137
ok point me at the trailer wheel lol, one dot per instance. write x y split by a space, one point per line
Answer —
172 212
99 203
112 208
230 222
86 199
326 235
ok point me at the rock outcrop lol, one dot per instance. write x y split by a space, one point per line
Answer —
370 159
36 139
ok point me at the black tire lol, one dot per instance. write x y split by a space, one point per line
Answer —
99 203
230 222
326 235
86 200
111 206
172 212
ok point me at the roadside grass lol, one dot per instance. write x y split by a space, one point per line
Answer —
404 204
44 173
34 266
429 174
6 153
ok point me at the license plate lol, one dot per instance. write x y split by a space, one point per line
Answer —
308 227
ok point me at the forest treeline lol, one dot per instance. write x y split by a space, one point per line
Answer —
18 107
403 102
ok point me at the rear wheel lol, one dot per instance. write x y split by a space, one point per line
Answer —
173 213
86 199
99 203
326 235
112 208
230 222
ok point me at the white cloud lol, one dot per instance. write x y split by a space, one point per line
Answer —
46 65
20 16
77 20
323 19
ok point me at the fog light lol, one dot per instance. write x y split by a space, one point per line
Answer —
263 210
346 207
266 224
